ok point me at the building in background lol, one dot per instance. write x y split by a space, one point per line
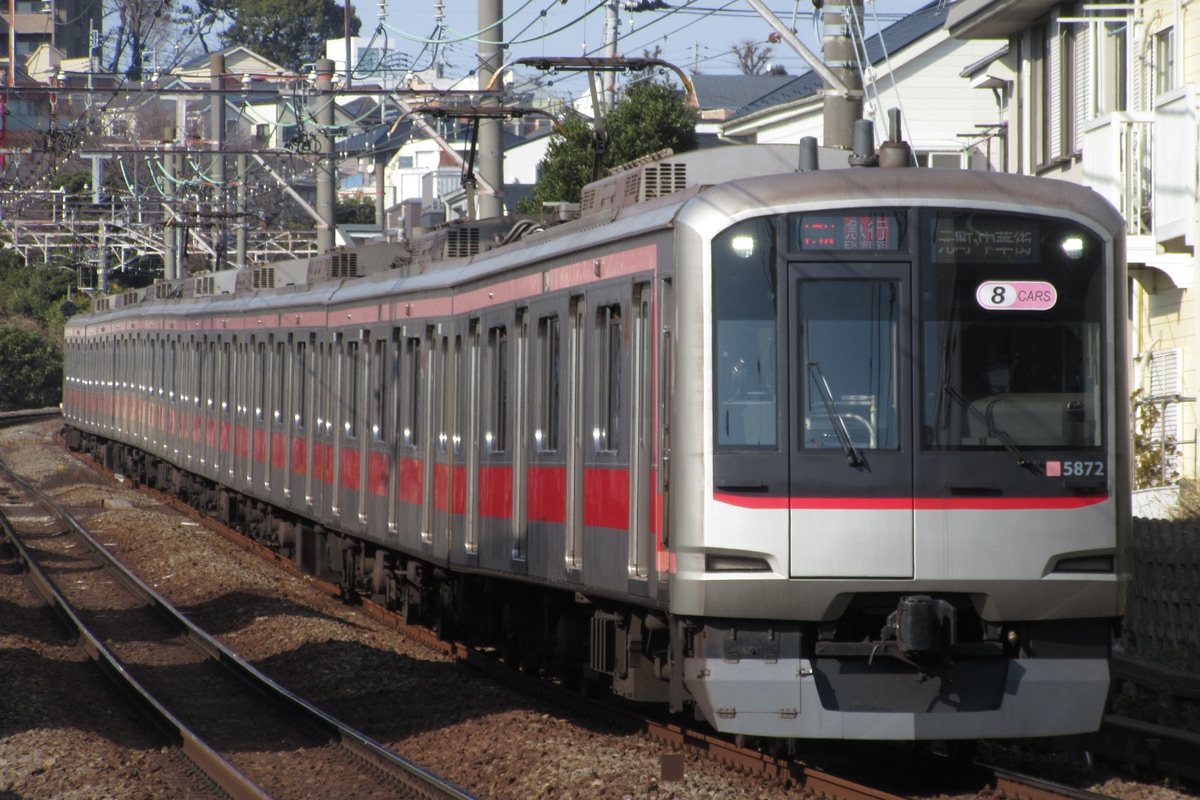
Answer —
1108 94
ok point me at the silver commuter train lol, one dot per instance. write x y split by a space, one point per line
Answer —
837 454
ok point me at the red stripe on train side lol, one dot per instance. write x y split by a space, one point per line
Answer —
351 473
327 463
226 435
548 494
259 443
377 474
278 451
458 491
441 484
299 456
911 503
411 481
606 498
318 466
495 491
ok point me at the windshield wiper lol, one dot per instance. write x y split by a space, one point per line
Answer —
999 433
853 457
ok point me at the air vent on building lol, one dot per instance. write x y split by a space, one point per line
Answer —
663 179
263 278
462 242
344 265
205 285
587 200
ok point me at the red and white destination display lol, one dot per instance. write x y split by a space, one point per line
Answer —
1017 295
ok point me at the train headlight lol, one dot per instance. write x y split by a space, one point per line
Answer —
743 245
718 562
1073 247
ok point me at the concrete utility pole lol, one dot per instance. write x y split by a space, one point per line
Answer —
841 112
325 163
171 251
842 83
611 34
491 131
243 207
216 82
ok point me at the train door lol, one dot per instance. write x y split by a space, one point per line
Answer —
577 363
448 426
321 451
851 448
243 434
277 427
640 437
471 427
520 448
441 408
425 422
665 387
297 415
224 463
259 427
376 469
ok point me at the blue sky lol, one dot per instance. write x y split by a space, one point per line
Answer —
692 33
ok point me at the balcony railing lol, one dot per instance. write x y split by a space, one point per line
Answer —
1118 163
1176 138
1145 164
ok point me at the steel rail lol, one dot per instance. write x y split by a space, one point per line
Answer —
218 770
1000 781
239 787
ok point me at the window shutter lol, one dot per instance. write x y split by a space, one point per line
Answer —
1164 380
1054 108
1084 66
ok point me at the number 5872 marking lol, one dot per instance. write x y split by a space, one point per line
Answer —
1083 469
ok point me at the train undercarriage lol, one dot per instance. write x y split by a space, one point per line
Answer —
898 656
583 642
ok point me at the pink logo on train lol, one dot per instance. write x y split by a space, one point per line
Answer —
1016 295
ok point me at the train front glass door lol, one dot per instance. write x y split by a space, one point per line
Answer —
850 420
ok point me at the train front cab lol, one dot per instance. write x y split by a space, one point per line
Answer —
910 501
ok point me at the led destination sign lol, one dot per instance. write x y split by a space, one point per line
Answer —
848 232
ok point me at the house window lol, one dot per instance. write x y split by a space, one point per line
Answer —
1162 65
1055 82
1165 387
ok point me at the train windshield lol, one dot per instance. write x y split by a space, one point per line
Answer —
1012 311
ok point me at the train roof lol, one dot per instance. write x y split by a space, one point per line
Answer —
705 189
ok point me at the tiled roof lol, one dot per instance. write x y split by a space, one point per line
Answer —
890 41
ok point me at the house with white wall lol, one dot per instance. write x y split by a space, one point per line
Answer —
914 65
1108 94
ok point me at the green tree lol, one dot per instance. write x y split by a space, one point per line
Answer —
31 370
648 116
354 212
291 33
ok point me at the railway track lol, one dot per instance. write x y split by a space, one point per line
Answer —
191 686
825 778
898 774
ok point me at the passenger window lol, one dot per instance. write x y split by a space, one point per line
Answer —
352 378
549 343
745 326
496 433
606 434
